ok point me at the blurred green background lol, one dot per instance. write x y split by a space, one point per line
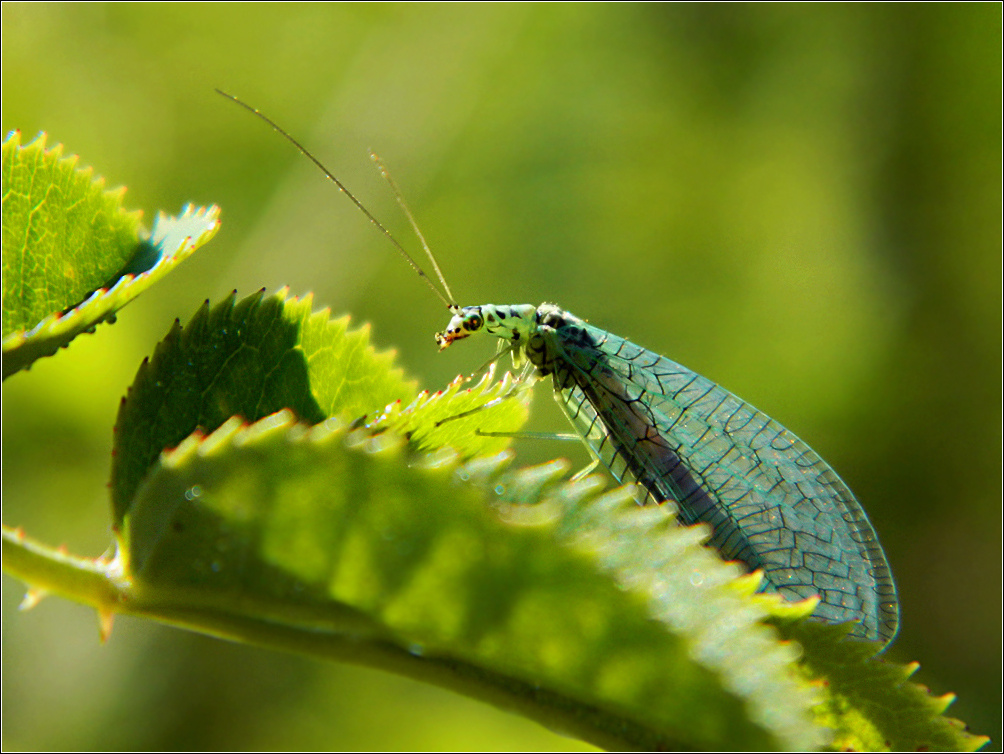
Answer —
800 202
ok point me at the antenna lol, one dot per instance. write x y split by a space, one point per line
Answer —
411 219
446 299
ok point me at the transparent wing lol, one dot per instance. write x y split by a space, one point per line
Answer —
771 501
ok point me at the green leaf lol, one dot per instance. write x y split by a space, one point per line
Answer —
265 353
869 703
462 416
72 256
581 610
352 548
64 235
577 608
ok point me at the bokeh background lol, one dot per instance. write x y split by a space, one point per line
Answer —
800 202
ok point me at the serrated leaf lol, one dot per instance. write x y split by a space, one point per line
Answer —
869 703
72 256
338 539
64 235
254 357
581 610
461 417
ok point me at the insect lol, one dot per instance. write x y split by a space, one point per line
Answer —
772 503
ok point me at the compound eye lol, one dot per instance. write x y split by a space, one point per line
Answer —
473 322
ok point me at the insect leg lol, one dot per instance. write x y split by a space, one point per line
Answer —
529 435
585 471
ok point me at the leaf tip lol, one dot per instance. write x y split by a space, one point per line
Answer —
942 703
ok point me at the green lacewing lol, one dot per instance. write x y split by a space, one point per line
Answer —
772 503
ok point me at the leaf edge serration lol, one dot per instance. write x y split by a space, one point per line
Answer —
22 347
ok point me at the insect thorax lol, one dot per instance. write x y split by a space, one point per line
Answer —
542 349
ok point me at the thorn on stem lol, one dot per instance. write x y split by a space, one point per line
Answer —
105 619
31 598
